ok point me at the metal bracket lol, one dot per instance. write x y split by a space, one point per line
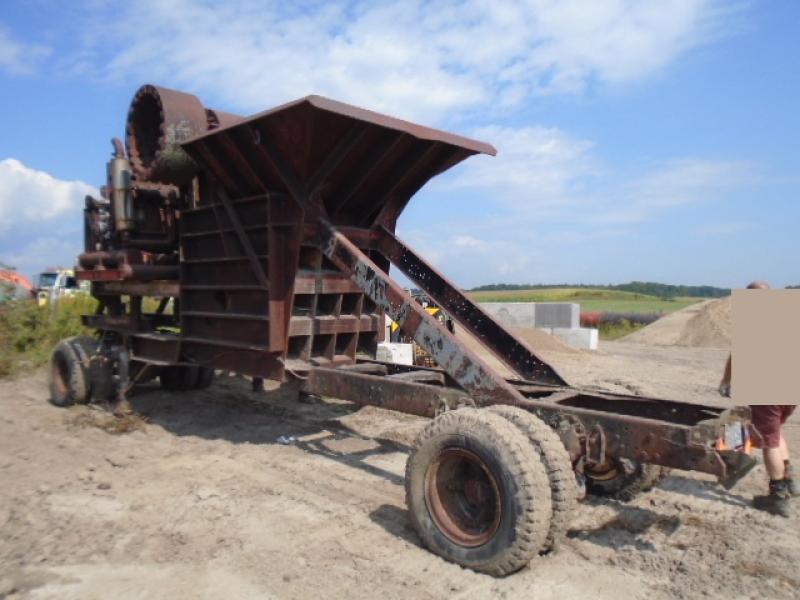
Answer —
443 406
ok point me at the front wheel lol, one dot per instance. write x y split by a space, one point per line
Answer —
477 492
68 376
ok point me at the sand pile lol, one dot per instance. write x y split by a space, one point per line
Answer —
703 325
542 343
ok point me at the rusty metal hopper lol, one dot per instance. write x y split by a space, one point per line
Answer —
269 187
362 166
299 204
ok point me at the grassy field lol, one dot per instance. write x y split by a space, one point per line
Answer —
615 331
589 299
29 332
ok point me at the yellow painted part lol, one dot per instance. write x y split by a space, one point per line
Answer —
431 311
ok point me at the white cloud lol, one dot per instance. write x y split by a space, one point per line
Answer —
16 57
468 241
40 217
43 253
677 183
548 202
613 40
28 195
536 168
469 259
416 59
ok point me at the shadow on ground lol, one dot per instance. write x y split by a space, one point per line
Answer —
395 520
230 411
705 490
626 526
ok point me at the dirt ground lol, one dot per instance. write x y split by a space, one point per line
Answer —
230 494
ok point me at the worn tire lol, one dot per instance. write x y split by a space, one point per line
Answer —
86 346
68 373
97 370
205 377
557 464
521 496
179 378
626 487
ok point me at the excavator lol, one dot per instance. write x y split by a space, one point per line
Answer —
14 286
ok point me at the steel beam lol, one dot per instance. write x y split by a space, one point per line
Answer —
233 217
469 315
465 367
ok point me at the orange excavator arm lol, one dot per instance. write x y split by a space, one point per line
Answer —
15 278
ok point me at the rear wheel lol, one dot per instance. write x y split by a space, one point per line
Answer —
477 492
623 483
557 464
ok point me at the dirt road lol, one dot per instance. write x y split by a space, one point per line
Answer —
201 499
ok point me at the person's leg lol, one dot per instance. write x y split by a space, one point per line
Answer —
773 461
767 420
784 448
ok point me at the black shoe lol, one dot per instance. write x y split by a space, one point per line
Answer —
777 502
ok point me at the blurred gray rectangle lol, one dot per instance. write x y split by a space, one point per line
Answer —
545 315
561 315
514 314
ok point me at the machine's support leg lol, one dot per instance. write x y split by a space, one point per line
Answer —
121 407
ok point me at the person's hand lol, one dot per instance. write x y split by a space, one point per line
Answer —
725 389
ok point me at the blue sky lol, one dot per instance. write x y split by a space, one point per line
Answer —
637 140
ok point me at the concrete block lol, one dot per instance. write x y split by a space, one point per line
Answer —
578 337
535 314
514 314
401 354
566 315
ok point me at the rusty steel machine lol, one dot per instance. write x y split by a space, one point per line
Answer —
266 243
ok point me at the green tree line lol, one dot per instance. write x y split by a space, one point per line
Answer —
660 290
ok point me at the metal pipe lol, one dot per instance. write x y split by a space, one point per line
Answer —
120 187
102 258
149 272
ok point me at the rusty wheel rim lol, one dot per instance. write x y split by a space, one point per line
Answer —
608 473
60 370
463 497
